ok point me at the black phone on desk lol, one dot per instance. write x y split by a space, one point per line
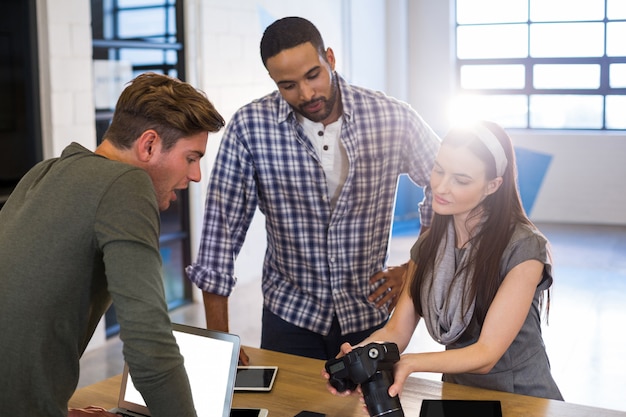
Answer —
460 408
248 412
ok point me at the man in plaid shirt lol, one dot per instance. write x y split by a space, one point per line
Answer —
320 158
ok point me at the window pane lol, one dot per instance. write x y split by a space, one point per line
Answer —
141 23
491 11
171 57
566 76
173 272
140 3
496 41
616 9
617 76
566 39
566 112
615 35
566 10
172 218
492 76
510 111
615 114
142 56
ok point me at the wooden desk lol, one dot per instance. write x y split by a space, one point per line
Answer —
299 386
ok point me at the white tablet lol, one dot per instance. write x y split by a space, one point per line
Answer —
255 378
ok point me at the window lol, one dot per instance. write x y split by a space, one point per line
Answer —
542 64
131 37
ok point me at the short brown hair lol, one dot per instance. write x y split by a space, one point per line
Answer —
174 109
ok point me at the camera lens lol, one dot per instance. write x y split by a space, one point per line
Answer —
377 398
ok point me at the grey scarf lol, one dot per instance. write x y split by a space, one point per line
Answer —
442 293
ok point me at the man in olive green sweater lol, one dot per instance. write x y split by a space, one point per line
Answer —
82 230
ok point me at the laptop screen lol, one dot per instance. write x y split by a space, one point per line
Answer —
211 362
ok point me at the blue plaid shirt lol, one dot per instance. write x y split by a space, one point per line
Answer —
318 262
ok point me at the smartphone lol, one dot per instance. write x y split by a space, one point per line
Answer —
255 378
460 408
248 412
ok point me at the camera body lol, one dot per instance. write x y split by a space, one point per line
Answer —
371 366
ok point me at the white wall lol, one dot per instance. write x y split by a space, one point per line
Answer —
431 60
364 25
585 180
67 107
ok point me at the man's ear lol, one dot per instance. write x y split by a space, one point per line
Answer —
330 58
146 145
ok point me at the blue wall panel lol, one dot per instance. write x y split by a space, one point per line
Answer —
531 166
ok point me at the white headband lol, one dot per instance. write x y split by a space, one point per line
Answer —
492 143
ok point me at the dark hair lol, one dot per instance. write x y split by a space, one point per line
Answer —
172 108
502 211
287 33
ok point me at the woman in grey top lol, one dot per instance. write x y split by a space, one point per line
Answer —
477 276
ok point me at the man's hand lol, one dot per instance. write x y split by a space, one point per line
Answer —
392 282
91 411
244 360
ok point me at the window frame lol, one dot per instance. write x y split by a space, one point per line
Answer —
529 62
175 222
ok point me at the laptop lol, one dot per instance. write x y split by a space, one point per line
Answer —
211 362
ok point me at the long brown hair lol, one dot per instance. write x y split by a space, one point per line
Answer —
499 213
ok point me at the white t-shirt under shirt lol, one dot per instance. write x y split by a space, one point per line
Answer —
332 154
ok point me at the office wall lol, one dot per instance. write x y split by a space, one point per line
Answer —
65 63
584 182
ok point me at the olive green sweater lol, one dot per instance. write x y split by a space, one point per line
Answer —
78 232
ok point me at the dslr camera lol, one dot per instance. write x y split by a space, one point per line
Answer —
371 366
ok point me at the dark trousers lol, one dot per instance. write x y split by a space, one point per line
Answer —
281 336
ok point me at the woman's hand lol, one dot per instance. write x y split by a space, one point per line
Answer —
344 350
401 371
346 393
